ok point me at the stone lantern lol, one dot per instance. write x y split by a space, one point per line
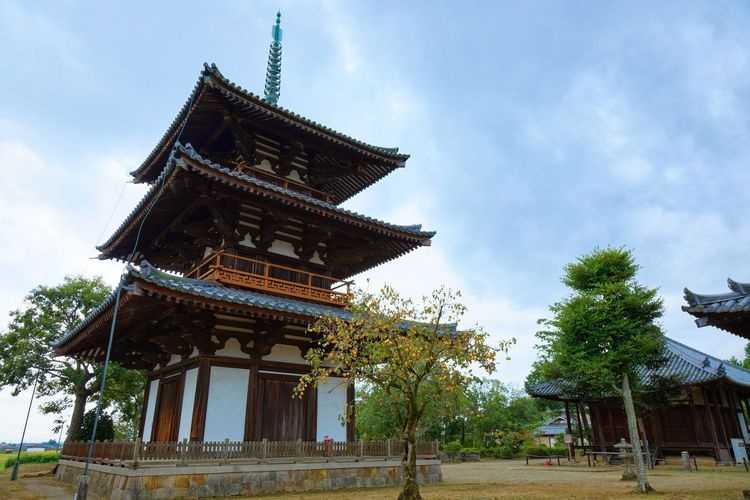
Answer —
626 454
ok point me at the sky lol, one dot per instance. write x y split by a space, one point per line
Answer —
538 131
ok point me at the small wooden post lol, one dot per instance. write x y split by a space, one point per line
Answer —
361 448
136 453
225 449
183 452
264 451
387 447
298 447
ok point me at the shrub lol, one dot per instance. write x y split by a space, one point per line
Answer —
532 449
452 447
33 458
505 452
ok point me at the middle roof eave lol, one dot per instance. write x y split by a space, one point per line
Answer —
186 159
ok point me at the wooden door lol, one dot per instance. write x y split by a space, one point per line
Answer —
280 415
165 419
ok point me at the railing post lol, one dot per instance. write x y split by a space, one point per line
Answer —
264 449
361 448
436 448
183 453
136 453
225 449
388 448
298 448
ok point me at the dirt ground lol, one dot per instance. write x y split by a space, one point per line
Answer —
477 480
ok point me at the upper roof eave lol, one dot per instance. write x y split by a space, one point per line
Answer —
205 81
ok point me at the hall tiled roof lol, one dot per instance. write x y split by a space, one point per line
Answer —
728 311
207 290
690 365
243 180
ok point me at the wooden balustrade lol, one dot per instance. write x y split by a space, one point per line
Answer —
256 274
182 453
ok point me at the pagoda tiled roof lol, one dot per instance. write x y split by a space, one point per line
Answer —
212 78
689 365
213 291
207 290
728 311
242 181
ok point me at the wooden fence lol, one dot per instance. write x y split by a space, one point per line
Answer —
183 453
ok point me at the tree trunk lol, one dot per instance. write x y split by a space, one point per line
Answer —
640 466
410 490
75 420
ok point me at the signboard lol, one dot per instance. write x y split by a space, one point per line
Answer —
738 447
568 438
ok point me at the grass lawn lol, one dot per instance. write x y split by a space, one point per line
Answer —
478 480
514 479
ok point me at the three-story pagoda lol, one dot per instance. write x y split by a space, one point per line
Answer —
240 243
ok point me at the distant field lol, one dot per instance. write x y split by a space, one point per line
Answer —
26 458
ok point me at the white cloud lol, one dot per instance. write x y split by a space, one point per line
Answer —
35 35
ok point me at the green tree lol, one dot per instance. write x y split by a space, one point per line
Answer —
105 429
603 331
375 419
25 351
412 352
745 363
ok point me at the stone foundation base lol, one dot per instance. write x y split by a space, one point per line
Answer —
240 479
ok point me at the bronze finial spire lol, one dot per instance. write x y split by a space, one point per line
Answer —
273 73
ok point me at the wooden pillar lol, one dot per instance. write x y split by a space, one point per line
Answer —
144 408
656 421
580 425
157 407
251 410
720 416
586 426
735 430
599 429
711 422
180 400
198 426
694 418
568 429
350 406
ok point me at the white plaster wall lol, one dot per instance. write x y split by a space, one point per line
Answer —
227 401
150 409
283 248
285 354
331 406
188 400
293 175
232 349
174 358
316 258
265 165
247 241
